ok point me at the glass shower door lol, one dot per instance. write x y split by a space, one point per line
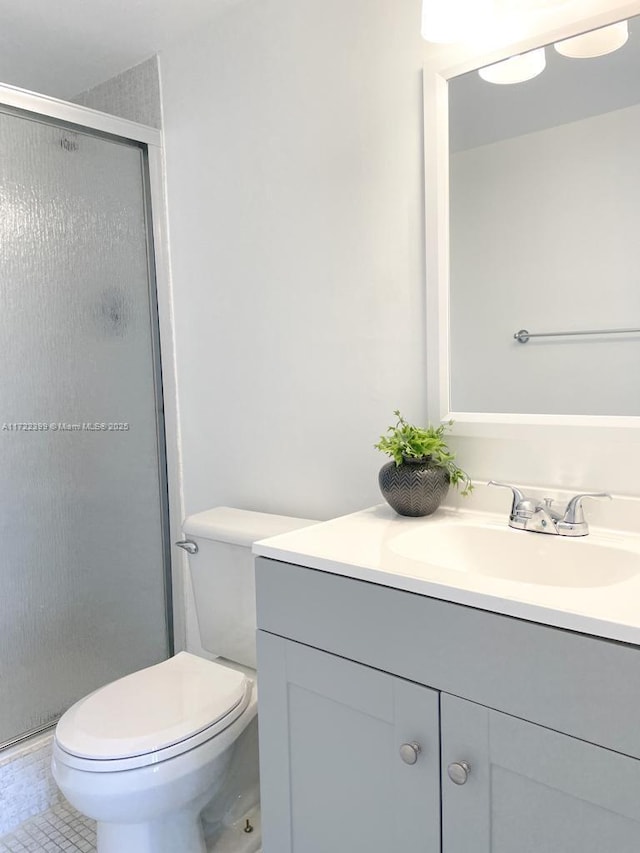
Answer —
83 521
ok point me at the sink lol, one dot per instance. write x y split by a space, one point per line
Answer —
589 584
496 551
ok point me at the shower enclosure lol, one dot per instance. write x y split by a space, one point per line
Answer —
84 568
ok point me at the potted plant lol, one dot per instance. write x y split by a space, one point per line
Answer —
423 468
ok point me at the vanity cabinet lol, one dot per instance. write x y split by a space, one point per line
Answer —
533 790
538 726
333 777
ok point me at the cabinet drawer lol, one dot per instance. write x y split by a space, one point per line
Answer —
580 685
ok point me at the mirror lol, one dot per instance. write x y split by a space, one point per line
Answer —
544 218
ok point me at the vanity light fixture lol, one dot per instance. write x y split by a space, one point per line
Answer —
516 69
596 43
450 21
529 6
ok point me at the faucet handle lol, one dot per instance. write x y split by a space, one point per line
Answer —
518 495
574 513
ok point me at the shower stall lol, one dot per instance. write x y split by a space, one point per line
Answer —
84 519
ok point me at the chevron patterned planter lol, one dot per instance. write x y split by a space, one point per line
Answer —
413 488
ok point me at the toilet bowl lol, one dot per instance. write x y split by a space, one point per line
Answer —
146 754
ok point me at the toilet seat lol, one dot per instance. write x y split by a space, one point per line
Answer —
152 715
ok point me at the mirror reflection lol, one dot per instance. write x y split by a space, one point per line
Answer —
544 230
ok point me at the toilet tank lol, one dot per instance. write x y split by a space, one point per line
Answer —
222 576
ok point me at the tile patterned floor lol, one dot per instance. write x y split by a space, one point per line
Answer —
59 830
62 830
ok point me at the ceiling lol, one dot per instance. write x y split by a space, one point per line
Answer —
62 47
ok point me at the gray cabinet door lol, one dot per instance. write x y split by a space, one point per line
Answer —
532 790
332 779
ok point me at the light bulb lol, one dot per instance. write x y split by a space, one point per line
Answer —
516 69
596 43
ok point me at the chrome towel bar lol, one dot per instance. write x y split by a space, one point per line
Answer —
523 335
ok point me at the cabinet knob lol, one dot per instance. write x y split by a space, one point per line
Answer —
459 772
409 752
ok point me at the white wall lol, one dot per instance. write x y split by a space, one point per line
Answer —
294 163
294 157
543 230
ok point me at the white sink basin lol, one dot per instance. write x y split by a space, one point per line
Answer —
497 551
589 584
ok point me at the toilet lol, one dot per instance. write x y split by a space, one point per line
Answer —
163 754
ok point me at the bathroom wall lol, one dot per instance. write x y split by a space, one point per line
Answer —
294 160
134 95
295 183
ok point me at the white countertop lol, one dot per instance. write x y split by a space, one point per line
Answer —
371 545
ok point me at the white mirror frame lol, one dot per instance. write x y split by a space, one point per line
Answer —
449 63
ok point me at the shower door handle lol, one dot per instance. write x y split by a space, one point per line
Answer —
189 546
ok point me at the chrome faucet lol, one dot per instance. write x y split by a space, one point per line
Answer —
540 517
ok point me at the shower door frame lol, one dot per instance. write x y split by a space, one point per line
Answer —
150 140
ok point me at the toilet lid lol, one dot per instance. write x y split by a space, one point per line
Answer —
151 709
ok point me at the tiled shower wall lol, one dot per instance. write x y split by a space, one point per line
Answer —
26 784
134 95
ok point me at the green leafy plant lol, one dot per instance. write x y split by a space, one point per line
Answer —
405 442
